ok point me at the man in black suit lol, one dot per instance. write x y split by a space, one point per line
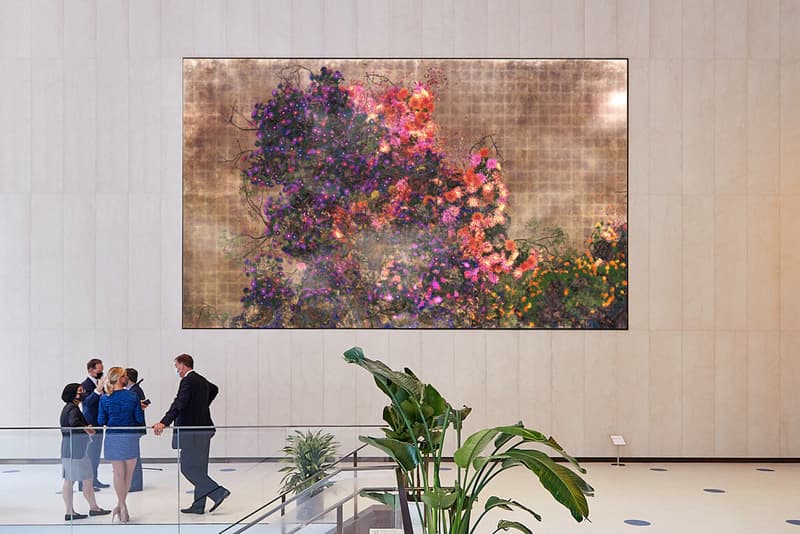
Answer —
90 400
191 409
137 482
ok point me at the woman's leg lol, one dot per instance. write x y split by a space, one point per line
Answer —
118 467
88 494
66 494
128 466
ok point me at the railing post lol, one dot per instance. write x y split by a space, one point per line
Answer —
283 512
401 493
355 475
339 520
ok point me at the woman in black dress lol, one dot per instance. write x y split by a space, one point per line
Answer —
75 436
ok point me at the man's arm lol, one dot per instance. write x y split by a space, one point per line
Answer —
180 403
212 392
88 388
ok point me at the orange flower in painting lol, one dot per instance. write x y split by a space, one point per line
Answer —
451 196
421 100
484 152
473 181
510 245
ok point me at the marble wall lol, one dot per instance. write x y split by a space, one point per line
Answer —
90 197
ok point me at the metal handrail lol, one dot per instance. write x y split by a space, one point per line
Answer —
282 496
335 506
240 427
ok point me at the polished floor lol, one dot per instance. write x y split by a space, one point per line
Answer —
657 498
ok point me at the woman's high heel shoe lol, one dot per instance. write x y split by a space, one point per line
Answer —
115 513
124 516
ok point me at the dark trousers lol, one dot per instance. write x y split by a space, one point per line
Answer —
137 482
195 446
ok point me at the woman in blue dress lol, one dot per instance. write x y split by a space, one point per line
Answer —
121 408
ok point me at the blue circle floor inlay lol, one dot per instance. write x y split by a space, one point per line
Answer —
637 522
228 469
714 490
767 469
658 469
793 521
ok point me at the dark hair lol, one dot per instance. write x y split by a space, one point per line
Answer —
91 364
70 390
186 360
133 374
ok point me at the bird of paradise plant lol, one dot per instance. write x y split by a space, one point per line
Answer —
417 421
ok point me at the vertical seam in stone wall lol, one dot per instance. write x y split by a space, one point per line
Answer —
781 449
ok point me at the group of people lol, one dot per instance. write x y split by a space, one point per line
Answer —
115 400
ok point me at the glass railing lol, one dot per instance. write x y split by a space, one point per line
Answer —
245 460
350 499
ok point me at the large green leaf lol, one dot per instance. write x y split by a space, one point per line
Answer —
431 397
383 497
354 355
505 524
503 438
553 444
381 371
526 434
405 454
473 446
506 504
567 487
458 416
439 498
480 461
535 436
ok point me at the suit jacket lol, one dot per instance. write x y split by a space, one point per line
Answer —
137 389
73 442
90 401
191 404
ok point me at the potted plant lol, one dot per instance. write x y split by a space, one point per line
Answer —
310 455
417 421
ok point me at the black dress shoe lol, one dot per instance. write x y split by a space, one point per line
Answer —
100 485
194 509
99 511
218 501
74 516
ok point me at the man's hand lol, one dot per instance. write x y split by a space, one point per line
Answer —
101 385
158 428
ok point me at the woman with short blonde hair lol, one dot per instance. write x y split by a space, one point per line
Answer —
121 408
113 376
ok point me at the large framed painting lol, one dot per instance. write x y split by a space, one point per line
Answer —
405 193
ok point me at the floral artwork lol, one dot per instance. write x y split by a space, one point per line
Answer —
354 211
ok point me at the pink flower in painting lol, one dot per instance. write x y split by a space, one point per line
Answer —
491 163
450 215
